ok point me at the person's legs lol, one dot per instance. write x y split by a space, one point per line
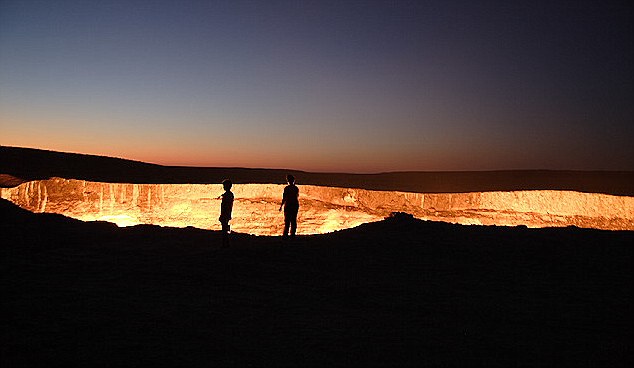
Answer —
293 226
225 233
291 220
287 223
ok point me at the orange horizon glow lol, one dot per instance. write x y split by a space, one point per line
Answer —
173 148
167 155
210 157
170 146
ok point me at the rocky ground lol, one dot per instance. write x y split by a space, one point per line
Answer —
393 293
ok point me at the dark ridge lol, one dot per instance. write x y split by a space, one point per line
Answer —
399 292
33 164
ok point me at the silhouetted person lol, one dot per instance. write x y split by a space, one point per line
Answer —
290 202
225 211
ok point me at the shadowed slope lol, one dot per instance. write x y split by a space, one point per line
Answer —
398 292
31 164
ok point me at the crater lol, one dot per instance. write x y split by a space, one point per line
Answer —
322 209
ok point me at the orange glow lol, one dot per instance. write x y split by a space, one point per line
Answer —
120 220
24 129
323 209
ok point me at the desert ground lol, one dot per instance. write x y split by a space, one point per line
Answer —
401 292
398 292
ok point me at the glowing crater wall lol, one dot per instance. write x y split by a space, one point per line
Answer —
323 209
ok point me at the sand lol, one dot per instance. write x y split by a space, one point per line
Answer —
400 292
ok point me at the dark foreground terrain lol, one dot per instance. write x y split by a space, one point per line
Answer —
395 293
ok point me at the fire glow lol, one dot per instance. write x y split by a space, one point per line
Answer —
323 209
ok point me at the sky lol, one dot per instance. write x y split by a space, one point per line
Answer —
339 86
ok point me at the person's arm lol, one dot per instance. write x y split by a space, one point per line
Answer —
283 200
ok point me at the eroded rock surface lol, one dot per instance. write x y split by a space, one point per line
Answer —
323 209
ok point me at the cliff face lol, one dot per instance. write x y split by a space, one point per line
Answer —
323 209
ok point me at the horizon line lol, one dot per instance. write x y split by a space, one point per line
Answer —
310 171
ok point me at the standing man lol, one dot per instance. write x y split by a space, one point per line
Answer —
290 202
226 206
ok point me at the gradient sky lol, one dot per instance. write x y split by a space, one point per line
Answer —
356 86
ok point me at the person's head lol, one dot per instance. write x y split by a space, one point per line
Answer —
290 179
227 184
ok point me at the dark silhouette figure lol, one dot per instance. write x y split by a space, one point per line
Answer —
225 211
290 202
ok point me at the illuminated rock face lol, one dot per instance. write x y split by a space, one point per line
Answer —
323 209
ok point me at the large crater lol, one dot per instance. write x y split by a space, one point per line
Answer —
323 209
